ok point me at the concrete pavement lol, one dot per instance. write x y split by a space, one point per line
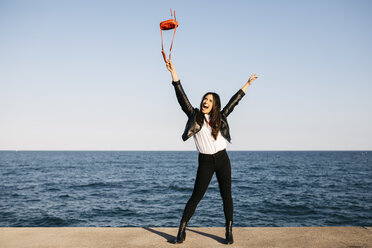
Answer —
92 237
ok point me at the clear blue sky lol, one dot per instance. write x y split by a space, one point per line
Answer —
88 75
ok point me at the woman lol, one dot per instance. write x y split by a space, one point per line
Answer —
210 130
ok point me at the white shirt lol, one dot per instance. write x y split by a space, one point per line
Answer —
204 141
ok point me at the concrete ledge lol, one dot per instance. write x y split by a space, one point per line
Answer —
350 237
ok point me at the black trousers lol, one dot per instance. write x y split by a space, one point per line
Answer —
208 164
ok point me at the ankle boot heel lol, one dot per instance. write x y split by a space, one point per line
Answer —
181 236
229 235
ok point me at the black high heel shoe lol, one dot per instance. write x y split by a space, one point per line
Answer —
229 235
181 236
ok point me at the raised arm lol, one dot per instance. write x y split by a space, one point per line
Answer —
237 97
249 82
172 70
180 93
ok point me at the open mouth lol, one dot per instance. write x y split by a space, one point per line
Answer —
205 106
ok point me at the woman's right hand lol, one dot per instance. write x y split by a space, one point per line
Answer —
172 70
170 66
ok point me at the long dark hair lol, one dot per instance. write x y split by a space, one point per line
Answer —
215 114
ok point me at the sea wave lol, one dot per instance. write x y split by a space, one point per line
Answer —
146 189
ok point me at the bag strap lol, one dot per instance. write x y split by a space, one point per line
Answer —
170 50
162 47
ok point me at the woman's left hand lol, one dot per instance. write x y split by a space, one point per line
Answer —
252 78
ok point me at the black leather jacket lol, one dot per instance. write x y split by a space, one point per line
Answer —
193 125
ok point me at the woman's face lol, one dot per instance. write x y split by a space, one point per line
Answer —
207 104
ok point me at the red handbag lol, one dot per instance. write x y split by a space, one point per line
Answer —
168 25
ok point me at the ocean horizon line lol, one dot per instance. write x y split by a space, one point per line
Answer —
138 150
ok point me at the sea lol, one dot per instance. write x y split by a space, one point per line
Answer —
151 188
